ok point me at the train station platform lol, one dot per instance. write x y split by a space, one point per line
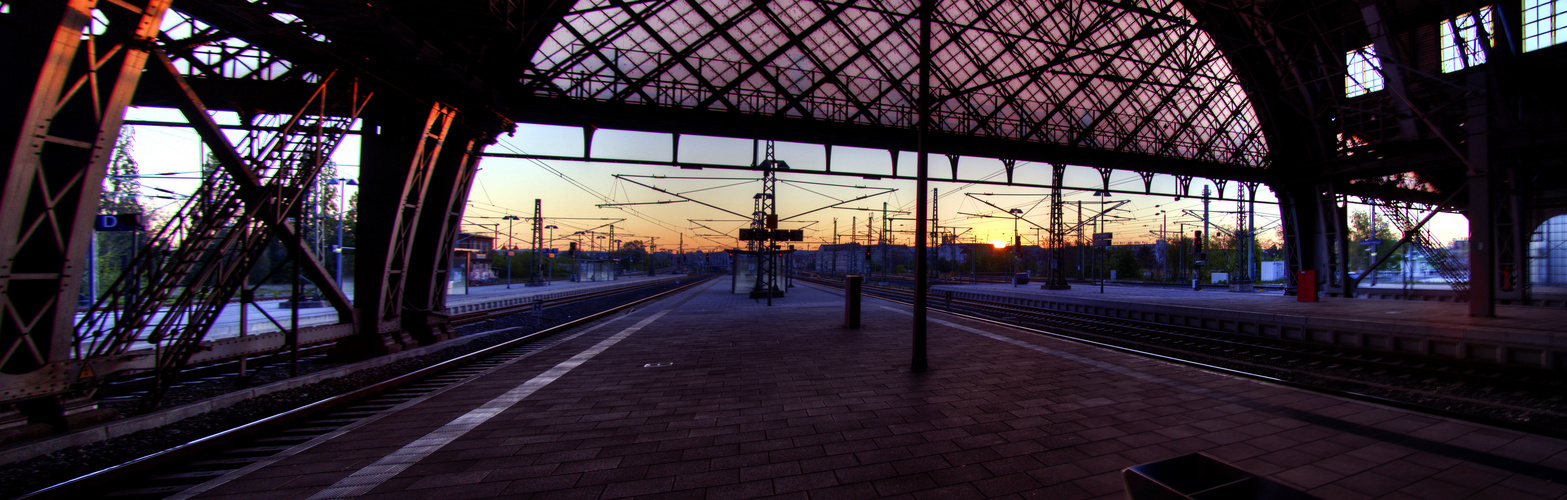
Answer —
1533 336
462 299
709 394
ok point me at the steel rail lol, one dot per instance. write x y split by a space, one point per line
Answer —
98 482
228 365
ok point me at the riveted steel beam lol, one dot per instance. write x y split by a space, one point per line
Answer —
78 82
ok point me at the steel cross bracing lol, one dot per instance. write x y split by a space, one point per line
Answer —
764 221
1136 78
76 89
1454 272
1056 278
538 244
432 137
166 301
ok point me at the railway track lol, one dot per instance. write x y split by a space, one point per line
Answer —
225 372
179 469
1529 400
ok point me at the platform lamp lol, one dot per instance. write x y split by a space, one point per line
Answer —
511 243
1163 226
342 188
550 265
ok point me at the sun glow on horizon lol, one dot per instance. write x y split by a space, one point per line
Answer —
998 243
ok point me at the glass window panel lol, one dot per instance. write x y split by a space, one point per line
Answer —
1363 72
1461 44
1544 23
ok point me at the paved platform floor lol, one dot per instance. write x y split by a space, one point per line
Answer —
713 395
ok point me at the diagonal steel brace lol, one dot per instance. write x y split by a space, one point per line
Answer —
251 189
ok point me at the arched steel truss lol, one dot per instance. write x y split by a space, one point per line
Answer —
1127 77
1247 90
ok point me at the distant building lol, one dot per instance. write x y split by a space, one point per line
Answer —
471 258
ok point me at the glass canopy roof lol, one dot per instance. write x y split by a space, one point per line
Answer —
1130 76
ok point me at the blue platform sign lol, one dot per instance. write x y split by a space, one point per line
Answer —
117 222
1370 243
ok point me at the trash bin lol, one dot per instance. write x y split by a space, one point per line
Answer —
1306 286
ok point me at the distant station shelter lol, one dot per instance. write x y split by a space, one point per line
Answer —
596 270
745 264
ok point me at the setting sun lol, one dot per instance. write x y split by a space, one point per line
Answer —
998 243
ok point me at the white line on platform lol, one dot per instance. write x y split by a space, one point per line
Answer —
366 479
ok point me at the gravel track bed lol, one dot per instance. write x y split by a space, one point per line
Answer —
31 475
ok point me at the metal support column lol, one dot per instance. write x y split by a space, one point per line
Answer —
1056 280
537 278
402 142
424 314
58 154
922 186
1482 203
66 92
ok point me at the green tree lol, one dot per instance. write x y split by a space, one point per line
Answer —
1123 260
1360 230
121 195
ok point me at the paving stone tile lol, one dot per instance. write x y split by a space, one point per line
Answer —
542 484
903 484
846 492
1006 485
641 487
828 463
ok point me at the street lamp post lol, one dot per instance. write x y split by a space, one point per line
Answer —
342 189
1163 226
512 246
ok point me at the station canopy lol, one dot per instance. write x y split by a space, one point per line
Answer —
1127 76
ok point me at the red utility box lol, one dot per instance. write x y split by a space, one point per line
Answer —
1306 286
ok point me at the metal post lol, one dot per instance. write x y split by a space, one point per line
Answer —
293 309
1205 229
549 263
922 183
342 192
92 269
1373 237
851 298
246 297
1251 232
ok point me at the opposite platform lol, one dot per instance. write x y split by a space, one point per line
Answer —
713 395
1532 336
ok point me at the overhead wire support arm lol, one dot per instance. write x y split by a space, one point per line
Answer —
627 204
687 198
1010 216
835 205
